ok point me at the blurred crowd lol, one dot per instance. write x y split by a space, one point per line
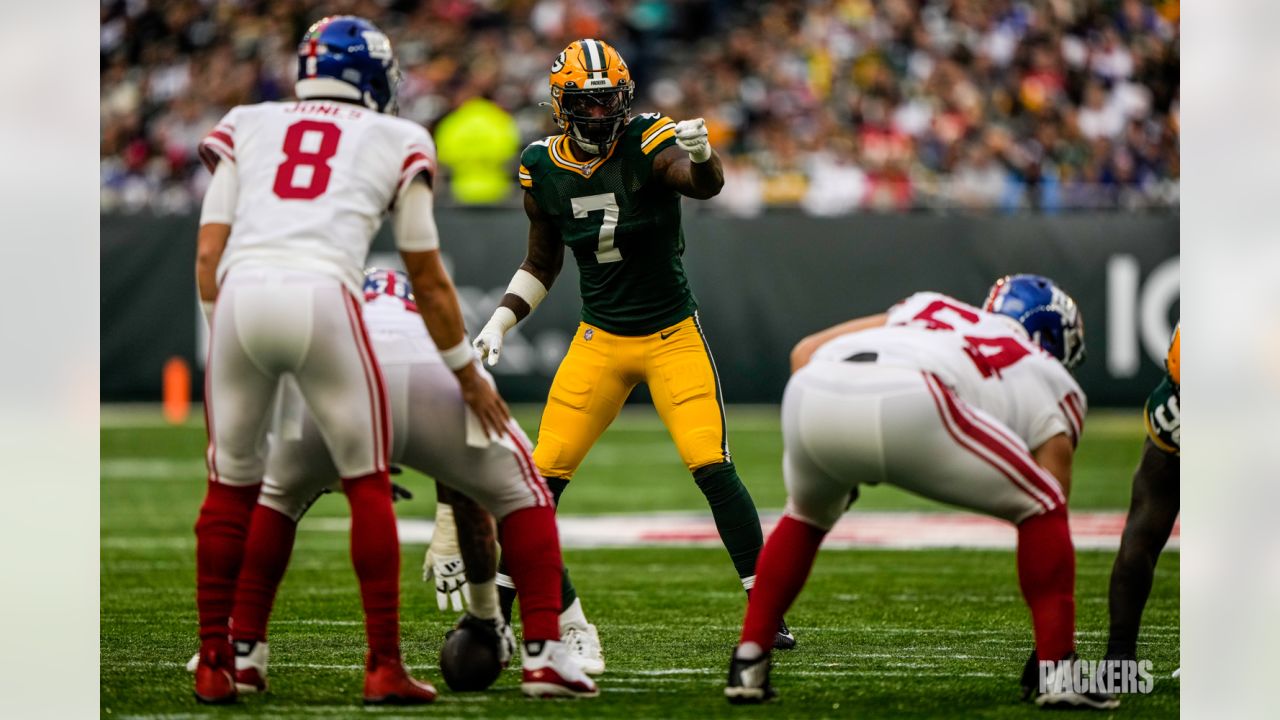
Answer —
834 106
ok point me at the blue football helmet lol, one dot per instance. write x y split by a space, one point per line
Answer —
349 57
383 281
1049 315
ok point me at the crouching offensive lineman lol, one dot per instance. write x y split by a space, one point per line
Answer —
971 407
434 433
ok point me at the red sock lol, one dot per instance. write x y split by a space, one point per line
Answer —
220 534
532 547
1047 576
375 552
781 571
266 556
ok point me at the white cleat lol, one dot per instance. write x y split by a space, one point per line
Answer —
583 643
251 668
553 672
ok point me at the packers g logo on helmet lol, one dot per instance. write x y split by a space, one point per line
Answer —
591 93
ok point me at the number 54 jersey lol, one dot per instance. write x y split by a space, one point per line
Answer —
315 179
984 357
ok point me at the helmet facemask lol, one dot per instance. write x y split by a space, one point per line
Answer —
593 118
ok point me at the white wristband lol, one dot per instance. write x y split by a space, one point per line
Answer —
206 307
527 287
458 356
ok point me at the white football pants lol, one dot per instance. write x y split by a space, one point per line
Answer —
848 423
271 323
430 435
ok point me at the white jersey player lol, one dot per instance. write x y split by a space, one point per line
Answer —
431 430
970 406
977 365
298 190
434 434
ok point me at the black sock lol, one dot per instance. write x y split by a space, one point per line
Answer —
507 596
734 512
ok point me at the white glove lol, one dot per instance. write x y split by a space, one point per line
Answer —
488 342
507 642
444 562
451 580
691 136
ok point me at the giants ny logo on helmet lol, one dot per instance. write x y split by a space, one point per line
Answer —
350 58
1049 315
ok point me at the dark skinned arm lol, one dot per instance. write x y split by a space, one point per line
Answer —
1153 510
544 258
477 536
674 168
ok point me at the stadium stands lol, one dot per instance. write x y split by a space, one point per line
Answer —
832 105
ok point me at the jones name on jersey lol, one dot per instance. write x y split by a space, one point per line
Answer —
316 178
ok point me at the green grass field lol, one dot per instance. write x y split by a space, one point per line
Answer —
882 633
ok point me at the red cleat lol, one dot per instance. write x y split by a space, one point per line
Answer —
215 681
387 682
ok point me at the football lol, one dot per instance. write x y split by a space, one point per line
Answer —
469 660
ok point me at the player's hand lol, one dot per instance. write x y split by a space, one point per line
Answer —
451 580
484 401
691 136
488 343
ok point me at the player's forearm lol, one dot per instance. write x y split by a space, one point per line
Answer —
477 539
803 352
699 181
707 178
217 212
438 305
527 289
211 242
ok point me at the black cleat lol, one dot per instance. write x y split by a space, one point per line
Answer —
784 640
749 681
1062 695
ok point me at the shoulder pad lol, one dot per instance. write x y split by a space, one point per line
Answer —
651 130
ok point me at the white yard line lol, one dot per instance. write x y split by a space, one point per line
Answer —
890 530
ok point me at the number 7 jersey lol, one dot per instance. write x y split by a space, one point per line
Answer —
315 179
985 358
621 223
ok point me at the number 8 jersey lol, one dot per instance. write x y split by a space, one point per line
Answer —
984 357
315 178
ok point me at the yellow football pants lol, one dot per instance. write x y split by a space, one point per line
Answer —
597 375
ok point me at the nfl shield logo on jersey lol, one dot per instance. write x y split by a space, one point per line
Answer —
590 333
